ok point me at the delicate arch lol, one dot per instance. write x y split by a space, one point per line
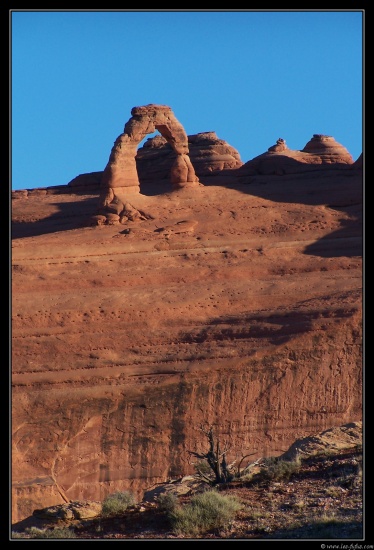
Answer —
121 168
120 176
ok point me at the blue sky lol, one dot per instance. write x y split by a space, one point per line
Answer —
250 76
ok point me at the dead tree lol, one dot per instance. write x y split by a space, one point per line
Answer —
215 457
239 470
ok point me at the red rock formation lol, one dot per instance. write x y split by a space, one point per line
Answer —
318 152
120 178
240 306
327 150
208 155
279 146
92 179
155 159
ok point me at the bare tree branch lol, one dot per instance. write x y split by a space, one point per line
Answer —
215 457
241 460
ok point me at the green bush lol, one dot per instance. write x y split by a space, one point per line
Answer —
117 503
203 467
276 469
208 510
167 502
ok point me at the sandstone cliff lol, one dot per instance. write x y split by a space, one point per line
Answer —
236 302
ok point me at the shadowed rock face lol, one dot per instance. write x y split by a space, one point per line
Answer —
239 305
120 177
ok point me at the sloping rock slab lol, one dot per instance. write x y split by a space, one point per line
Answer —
334 439
73 510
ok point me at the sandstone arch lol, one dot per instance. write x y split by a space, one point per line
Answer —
120 177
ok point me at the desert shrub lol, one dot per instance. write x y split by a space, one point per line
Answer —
247 477
275 469
202 467
351 476
56 533
208 510
117 503
167 502
17 535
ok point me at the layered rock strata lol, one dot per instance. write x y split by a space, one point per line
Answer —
208 155
237 306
